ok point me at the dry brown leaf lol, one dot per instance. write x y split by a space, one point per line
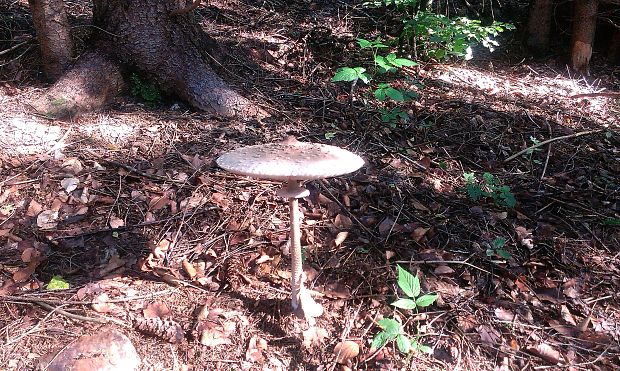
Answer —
213 337
337 291
418 233
443 269
69 184
314 337
546 352
23 274
504 314
220 200
90 289
47 219
159 202
114 263
340 237
34 208
418 206
254 353
30 254
116 222
345 351
101 305
489 335
386 226
156 309
72 165
389 254
189 268
342 221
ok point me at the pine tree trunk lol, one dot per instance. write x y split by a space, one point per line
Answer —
53 34
539 26
614 48
160 38
584 27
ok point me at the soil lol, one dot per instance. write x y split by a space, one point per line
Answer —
128 209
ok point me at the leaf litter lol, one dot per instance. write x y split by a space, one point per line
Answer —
126 225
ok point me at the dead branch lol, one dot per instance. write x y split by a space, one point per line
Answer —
575 135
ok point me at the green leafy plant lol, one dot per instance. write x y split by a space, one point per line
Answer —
144 89
489 187
381 64
391 329
57 283
612 222
436 36
498 249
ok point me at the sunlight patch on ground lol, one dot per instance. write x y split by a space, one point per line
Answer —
28 135
532 86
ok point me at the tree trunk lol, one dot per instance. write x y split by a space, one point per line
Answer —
161 39
584 27
52 26
539 26
92 82
614 48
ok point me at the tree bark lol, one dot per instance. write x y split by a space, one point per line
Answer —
92 83
171 49
539 26
614 48
584 27
53 34
161 39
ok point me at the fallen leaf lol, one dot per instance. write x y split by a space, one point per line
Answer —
189 268
342 221
101 305
546 352
220 200
386 226
116 222
47 219
70 184
314 337
418 206
34 208
345 351
156 309
389 254
418 233
254 353
504 314
552 295
213 337
72 165
443 269
340 238
23 274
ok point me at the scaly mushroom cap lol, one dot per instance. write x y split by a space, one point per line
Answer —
290 160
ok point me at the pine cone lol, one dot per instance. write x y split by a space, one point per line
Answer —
167 330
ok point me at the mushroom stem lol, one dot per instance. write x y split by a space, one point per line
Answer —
295 248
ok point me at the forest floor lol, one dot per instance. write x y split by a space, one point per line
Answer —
190 262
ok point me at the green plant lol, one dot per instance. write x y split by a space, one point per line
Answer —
498 249
489 187
391 329
144 89
57 283
381 64
436 36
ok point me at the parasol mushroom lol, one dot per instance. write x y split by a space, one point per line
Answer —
294 162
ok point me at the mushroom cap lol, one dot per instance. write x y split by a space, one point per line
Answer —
290 160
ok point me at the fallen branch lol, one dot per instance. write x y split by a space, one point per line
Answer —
575 135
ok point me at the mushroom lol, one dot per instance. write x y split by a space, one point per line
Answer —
294 162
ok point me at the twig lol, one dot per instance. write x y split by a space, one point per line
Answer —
5 51
542 176
575 135
77 317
